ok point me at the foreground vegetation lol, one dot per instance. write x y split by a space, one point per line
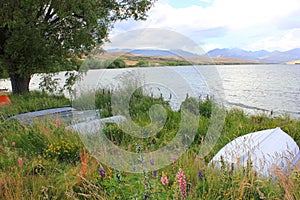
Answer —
46 161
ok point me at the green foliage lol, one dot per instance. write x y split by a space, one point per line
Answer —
3 74
139 107
48 84
140 104
198 107
32 142
103 102
91 63
117 63
63 151
235 186
176 63
31 102
142 63
115 134
50 36
8 155
53 168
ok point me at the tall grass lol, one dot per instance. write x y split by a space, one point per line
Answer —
31 102
55 164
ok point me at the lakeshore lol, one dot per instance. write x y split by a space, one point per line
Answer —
256 89
47 156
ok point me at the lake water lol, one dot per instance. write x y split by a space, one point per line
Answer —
263 88
254 88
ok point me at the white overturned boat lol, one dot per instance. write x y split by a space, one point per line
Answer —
76 120
267 150
93 126
64 113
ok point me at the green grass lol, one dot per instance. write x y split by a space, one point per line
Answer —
31 102
57 166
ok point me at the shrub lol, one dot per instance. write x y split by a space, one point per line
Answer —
117 63
198 107
142 63
63 151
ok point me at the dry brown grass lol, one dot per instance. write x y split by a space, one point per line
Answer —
289 184
11 187
132 59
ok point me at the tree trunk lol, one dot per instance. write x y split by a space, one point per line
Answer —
19 83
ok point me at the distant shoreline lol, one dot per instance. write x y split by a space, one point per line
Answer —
132 60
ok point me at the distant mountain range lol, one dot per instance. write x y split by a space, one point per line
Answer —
262 56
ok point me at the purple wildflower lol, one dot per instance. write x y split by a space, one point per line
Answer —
173 157
154 173
102 172
200 175
152 161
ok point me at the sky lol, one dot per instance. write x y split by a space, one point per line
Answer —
247 24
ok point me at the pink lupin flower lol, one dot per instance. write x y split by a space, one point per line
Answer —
181 179
164 180
13 144
20 161
57 122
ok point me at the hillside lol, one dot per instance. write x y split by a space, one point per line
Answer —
155 58
225 56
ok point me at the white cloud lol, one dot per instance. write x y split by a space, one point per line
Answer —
245 13
153 38
230 13
284 41
210 46
223 19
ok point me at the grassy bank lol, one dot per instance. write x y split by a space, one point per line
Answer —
45 161
31 102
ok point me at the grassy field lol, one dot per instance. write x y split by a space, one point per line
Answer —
46 161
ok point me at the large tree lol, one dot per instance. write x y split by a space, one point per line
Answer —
48 35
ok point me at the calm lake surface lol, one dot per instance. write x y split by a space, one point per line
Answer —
254 88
